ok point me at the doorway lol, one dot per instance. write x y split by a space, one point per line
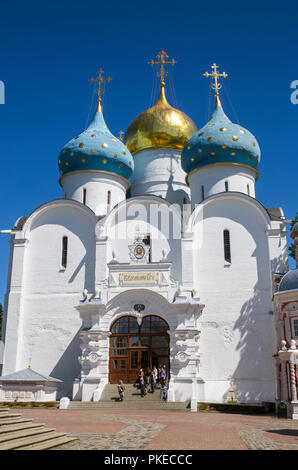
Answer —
134 346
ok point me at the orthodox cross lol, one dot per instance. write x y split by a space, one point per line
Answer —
162 56
100 80
120 134
215 75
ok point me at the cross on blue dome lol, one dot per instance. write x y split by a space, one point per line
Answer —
220 141
96 149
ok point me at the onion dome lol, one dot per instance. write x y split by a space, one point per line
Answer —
160 126
220 141
294 229
96 149
289 281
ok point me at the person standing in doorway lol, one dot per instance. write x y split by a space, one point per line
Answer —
121 389
159 375
162 377
141 376
148 375
165 391
152 382
142 386
155 373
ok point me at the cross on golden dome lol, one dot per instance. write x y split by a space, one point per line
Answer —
215 74
162 56
100 80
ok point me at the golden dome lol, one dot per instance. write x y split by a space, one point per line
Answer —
161 126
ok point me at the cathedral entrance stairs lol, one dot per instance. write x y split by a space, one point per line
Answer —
17 433
132 401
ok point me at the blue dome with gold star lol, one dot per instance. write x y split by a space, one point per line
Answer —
220 141
96 149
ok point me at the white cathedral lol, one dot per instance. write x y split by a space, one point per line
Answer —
157 253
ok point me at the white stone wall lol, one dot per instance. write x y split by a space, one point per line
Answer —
233 337
97 186
28 392
47 323
214 177
144 213
158 172
237 327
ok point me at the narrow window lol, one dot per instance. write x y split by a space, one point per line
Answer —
226 186
202 192
227 246
295 324
84 196
248 191
147 241
109 201
64 251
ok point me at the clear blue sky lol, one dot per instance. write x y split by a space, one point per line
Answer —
49 50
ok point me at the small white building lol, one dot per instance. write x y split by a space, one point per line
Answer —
158 253
28 385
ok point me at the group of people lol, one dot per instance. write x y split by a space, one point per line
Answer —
148 381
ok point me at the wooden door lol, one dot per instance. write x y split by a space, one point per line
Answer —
134 346
139 359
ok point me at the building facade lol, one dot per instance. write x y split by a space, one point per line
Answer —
286 305
158 253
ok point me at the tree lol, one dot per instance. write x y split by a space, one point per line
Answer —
292 246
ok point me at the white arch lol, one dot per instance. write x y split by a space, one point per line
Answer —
155 304
146 200
226 196
51 205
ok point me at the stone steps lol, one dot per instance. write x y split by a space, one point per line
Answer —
26 441
7 415
17 433
131 393
4 422
19 427
23 433
52 443
132 401
171 406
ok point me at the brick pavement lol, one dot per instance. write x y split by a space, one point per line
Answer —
169 430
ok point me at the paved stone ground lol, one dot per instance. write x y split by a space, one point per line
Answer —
168 430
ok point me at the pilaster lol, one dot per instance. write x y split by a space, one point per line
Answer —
14 306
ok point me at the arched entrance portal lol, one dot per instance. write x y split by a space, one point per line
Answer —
133 346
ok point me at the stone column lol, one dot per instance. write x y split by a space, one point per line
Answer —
14 306
101 254
187 261
293 382
283 376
